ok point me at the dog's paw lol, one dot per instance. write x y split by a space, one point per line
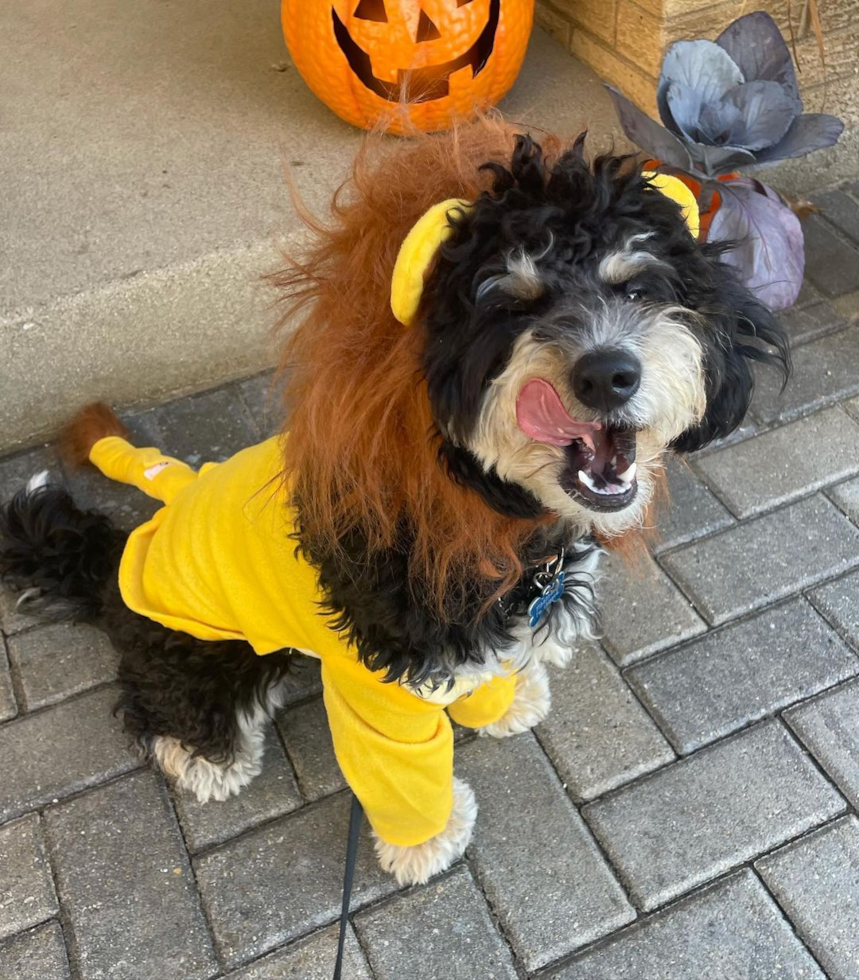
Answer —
204 779
530 705
415 865
554 653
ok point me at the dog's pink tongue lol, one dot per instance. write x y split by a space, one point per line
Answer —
540 414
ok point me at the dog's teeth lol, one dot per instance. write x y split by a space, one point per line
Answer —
588 482
628 475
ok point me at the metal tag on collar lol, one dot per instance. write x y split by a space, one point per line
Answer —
551 583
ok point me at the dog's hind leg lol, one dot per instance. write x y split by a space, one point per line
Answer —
199 709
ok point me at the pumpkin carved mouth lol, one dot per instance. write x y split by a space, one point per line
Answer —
418 84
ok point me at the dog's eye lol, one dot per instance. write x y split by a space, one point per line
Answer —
633 292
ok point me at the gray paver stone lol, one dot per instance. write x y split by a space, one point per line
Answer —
303 680
552 891
746 430
36 955
26 889
704 815
54 662
126 886
846 497
270 794
807 295
726 679
16 470
765 559
264 399
809 322
831 264
788 462
284 880
206 428
126 506
641 611
8 707
839 603
441 930
309 959
11 620
730 931
852 407
693 509
597 734
829 726
308 742
61 750
824 371
840 210
816 881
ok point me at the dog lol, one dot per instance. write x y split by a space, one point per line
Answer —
492 347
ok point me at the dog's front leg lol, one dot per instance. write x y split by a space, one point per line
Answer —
531 702
506 705
396 751
416 864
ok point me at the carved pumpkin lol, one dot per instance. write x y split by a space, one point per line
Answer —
363 58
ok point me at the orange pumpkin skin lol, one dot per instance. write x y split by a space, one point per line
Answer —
360 65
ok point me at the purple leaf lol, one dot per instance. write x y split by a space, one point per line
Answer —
703 67
649 135
713 160
686 106
809 132
718 122
757 47
770 252
766 111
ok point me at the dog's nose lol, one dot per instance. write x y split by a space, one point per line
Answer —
606 379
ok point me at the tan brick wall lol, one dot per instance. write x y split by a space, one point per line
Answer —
624 40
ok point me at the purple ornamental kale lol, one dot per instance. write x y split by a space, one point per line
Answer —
730 104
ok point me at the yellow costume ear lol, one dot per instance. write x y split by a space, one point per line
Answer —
677 191
415 257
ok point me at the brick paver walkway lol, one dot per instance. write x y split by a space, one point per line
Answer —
687 812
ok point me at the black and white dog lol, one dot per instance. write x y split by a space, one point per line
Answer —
571 332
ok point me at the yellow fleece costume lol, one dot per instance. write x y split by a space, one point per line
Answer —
218 563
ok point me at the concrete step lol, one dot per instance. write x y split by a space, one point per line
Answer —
142 162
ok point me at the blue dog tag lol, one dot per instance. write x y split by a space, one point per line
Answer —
552 592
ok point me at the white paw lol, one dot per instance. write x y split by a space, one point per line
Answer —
417 864
204 779
554 653
531 703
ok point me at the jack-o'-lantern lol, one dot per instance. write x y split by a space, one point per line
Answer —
445 58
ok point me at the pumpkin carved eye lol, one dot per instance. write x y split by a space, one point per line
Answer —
427 31
372 10
462 3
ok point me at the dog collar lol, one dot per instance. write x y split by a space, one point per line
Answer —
537 591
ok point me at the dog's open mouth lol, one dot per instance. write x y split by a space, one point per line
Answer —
600 458
600 469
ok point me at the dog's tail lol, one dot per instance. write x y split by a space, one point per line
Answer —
92 423
55 556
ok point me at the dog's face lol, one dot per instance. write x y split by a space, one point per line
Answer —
575 331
